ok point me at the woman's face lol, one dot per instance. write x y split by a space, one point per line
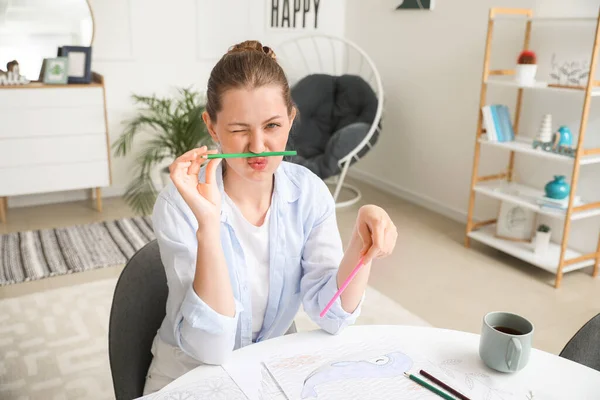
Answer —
252 121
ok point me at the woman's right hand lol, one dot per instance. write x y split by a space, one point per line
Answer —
204 199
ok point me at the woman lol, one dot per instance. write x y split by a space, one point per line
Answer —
244 242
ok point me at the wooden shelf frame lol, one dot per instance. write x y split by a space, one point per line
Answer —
582 156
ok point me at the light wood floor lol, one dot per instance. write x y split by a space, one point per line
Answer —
430 273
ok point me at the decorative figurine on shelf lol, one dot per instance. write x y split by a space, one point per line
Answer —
12 76
542 240
545 133
564 136
558 188
560 142
526 68
13 66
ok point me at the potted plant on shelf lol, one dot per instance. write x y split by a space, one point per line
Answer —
175 126
542 239
526 68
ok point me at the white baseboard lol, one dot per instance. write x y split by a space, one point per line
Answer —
416 198
31 200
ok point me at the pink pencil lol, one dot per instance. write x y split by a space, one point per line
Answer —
340 290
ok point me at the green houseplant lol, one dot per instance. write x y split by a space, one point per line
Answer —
175 125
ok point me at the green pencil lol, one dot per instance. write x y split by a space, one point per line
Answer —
249 155
430 387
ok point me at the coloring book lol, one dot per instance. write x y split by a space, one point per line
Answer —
346 366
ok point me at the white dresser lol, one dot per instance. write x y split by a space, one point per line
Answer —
53 138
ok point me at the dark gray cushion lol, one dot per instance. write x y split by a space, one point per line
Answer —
335 114
354 102
341 143
584 346
314 124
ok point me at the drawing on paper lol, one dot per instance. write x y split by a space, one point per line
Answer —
293 362
373 371
476 384
215 386
269 389
374 368
385 366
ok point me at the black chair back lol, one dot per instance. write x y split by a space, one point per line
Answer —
584 346
137 311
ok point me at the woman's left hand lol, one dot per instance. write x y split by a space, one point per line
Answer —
377 232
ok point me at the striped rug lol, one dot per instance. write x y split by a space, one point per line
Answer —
32 255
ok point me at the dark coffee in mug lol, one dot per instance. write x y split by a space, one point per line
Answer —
505 342
510 331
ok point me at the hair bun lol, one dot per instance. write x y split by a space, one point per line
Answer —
252 45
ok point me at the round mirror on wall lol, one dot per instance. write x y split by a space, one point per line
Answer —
31 30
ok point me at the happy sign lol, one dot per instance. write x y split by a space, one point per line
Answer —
294 14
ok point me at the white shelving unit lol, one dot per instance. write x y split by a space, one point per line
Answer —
560 258
524 251
496 81
525 146
527 197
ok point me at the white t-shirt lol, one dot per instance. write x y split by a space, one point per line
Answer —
255 244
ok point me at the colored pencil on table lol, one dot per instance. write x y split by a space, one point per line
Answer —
250 155
432 388
442 384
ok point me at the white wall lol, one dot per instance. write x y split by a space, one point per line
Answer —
151 46
431 64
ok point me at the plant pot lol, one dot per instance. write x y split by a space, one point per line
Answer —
165 176
541 243
525 74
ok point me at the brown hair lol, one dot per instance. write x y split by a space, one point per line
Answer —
246 65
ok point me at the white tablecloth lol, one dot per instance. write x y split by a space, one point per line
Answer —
456 353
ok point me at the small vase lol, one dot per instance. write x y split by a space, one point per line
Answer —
558 188
566 138
545 132
541 243
525 74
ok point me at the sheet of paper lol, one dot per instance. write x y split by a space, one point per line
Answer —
269 388
247 370
214 384
369 373
362 365
377 373
483 384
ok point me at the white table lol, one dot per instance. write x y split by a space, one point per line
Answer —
547 376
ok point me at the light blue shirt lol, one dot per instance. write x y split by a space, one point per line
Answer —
305 253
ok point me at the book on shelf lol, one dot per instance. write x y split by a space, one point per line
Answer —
547 202
497 122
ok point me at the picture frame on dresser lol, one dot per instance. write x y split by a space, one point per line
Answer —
79 63
54 138
54 71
